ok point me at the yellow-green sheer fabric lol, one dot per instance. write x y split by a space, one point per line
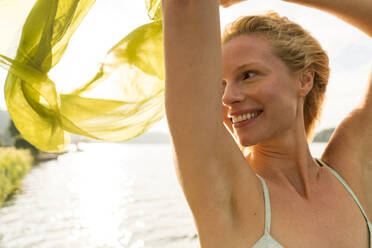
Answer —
133 68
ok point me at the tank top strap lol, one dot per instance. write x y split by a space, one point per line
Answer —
267 205
348 189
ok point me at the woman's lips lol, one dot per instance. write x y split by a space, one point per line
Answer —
246 122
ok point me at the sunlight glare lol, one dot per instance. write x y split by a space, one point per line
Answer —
100 211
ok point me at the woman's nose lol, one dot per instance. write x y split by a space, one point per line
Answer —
232 94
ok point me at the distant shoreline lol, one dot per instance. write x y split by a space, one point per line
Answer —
146 138
324 135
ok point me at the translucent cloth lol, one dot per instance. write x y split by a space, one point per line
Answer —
134 68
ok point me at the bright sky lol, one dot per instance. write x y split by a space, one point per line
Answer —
350 50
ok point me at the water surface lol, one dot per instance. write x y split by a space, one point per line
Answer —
109 195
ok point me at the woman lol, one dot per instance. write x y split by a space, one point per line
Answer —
267 191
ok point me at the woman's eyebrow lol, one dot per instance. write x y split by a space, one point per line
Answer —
241 67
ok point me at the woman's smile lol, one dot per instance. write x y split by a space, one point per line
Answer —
245 119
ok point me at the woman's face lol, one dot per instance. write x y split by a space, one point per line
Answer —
257 83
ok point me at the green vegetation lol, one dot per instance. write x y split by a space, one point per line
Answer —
324 135
15 160
14 165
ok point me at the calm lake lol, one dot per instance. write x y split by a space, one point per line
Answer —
107 196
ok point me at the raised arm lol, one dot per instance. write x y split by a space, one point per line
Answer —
352 141
206 156
350 148
354 135
356 12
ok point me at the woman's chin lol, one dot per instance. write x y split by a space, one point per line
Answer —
247 141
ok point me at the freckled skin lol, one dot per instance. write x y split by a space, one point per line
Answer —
272 88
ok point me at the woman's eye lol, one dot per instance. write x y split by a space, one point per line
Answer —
248 74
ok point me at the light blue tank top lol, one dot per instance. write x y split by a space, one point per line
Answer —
266 241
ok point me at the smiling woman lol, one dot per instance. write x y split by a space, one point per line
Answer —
294 48
274 76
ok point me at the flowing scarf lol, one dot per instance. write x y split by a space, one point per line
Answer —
133 68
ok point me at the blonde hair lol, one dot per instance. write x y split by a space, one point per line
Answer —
296 48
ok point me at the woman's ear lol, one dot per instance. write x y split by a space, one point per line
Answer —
306 82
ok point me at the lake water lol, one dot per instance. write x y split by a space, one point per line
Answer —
108 196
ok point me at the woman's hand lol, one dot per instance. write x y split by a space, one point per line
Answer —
228 3
356 13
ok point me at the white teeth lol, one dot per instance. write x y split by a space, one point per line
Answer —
244 117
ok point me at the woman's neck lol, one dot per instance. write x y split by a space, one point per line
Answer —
286 161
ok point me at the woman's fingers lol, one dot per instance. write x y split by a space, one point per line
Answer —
228 3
